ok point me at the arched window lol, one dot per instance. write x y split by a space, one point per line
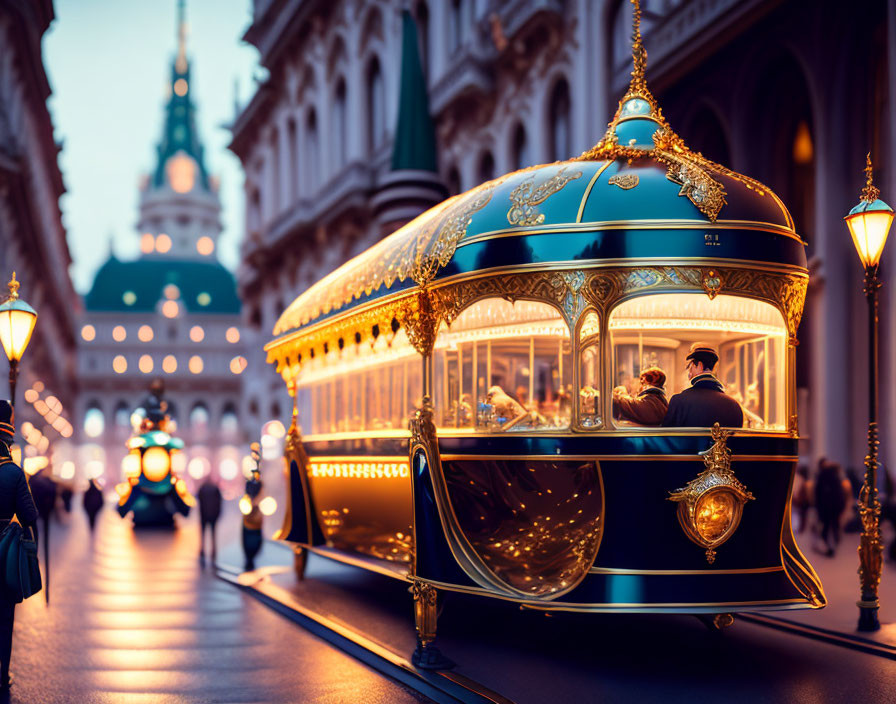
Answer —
520 148
94 420
706 135
455 24
312 161
292 169
199 416
122 415
340 121
558 122
376 105
229 421
486 167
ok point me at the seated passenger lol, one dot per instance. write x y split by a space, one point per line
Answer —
649 406
706 402
506 408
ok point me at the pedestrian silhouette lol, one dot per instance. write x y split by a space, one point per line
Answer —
43 488
15 500
209 496
93 502
831 490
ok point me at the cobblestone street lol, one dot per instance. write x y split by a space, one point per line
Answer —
133 619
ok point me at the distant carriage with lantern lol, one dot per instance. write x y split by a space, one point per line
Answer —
152 491
498 323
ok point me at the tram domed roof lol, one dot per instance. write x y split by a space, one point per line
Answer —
639 194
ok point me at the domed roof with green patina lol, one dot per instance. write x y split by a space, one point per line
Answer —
138 286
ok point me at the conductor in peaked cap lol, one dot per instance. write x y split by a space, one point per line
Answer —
705 402
15 500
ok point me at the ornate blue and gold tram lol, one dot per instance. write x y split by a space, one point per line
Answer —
500 322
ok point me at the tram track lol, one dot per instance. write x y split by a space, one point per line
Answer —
444 687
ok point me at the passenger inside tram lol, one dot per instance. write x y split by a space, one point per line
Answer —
705 402
747 338
649 406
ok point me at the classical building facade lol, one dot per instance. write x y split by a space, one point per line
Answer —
32 238
789 93
173 313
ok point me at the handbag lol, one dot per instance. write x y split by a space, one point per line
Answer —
19 566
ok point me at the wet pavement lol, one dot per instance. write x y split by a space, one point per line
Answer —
133 619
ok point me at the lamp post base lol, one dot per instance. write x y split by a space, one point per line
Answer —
868 621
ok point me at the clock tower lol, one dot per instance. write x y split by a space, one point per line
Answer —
180 212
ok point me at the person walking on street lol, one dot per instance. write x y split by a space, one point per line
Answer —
209 496
93 502
803 488
831 491
15 500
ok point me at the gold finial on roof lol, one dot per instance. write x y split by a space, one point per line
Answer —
13 288
870 192
639 53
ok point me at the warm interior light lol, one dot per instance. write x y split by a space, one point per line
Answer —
119 333
169 364
197 334
181 171
145 364
145 333
156 463
232 335
147 243
119 364
196 364
88 333
237 365
245 505
171 292
205 245
163 243
180 87
869 230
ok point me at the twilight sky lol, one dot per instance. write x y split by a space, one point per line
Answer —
108 62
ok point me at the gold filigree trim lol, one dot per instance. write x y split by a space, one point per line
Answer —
717 479
416 251
530 193
870 192
624 181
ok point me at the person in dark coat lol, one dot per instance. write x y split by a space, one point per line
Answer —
706 402
209 496
15 500
93 502
649 406
831 490
43 489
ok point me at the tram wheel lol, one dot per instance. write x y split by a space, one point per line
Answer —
716 623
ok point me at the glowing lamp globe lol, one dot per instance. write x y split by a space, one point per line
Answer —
156 463
17 320
869 224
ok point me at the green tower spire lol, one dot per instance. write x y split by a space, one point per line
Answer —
180 133
415 137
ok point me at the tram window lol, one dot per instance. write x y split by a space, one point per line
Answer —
503 366
589 377
750 337
363 387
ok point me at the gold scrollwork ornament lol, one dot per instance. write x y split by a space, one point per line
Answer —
710 505
530 193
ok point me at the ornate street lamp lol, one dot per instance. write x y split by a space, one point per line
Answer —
869 223
17 321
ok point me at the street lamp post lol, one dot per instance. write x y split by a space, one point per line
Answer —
869 223
17 321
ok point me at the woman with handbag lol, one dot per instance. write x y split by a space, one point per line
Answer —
15 500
